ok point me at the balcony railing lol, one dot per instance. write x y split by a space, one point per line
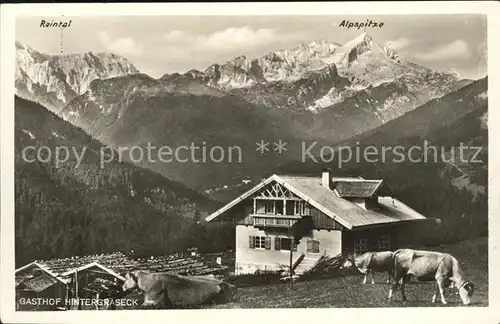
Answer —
285 221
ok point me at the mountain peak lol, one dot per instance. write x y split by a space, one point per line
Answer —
453 72
363 38
356 47
20 45
54 80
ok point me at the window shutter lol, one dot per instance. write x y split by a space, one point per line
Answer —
251 242
309 246
268 242
277 243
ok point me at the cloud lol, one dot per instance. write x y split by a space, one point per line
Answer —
455 50
229 40
398 43
124 46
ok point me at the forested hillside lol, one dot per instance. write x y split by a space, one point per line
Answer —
72 209
448 186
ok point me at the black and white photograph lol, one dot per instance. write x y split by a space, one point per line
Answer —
248 161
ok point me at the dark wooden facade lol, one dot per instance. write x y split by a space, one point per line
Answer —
383 238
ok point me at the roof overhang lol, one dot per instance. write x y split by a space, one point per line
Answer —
394 223
241 197
41 267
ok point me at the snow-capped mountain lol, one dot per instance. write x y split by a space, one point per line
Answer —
295 94
294 63
285 64
316 75
53 80
369 65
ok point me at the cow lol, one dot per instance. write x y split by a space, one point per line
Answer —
429 266
166 290
370 263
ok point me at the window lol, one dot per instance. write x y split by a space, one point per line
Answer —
260 207
283 244
384 243
302 208
305 209
264 206
360 246
281 207
290 207
260 242
278 204
312 246
269 206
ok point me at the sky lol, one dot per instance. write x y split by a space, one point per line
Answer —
165 44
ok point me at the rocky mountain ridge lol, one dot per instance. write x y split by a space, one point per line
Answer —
317 75
54 80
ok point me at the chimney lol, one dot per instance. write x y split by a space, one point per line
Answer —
326 179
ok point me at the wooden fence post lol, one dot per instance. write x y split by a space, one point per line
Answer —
77 294
291 263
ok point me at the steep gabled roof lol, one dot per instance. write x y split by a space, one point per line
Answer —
40 283
21 279
345 212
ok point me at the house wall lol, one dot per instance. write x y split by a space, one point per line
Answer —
372 237
249 260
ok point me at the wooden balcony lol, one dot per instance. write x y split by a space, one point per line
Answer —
282 221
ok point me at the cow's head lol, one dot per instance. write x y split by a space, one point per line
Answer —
228 292
465 291
131 281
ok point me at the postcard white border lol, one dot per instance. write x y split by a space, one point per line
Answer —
362 315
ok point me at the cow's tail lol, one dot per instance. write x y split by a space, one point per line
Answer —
394 263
